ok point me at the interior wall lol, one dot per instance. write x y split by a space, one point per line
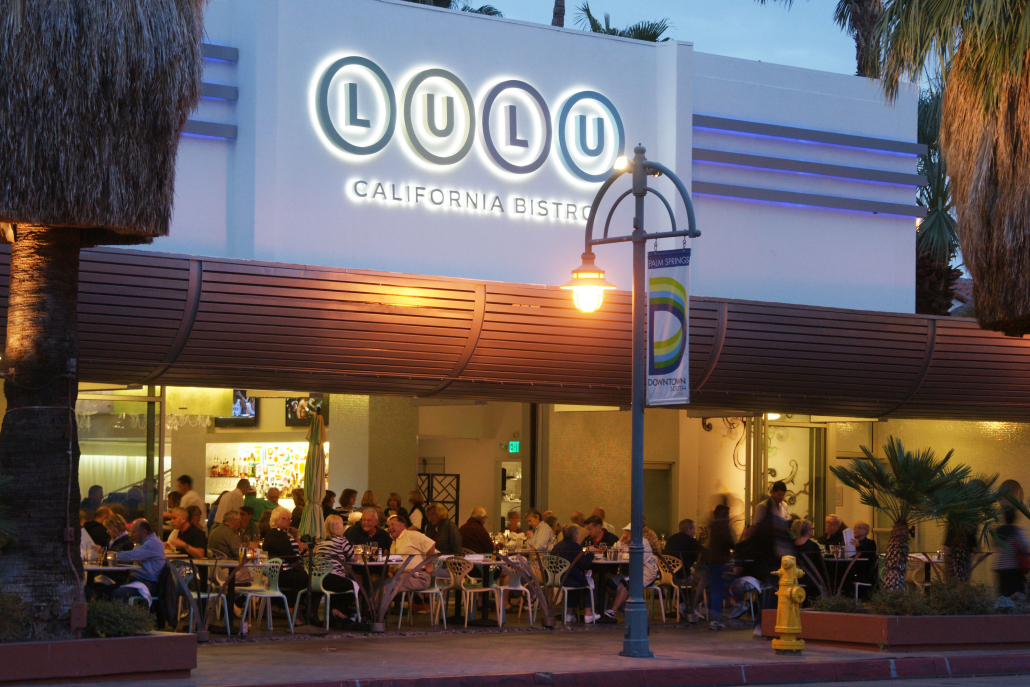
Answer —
718 478
473 440
589 459
392 446
348 434
986 447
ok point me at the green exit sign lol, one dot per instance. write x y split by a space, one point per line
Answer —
513 447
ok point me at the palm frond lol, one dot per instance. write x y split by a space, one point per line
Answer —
937 236
651 31
990 36
488 10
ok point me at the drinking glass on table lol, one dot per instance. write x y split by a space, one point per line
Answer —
373 549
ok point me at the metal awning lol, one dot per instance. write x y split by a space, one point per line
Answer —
187 321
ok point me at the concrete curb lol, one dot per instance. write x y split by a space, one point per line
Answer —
782 672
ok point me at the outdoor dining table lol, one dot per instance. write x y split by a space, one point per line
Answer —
604 567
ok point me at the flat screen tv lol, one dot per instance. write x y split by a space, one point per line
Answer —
244 411
299 410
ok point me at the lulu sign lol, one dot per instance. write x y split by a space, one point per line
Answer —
359 112
668 318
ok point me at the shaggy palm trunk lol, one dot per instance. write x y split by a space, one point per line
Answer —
958 559
39 446
896 559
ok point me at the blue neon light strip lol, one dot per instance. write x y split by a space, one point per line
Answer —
806 199
195 127
805 167
744 127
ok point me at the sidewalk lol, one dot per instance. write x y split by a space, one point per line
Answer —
564 658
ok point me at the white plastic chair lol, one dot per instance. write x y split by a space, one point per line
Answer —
515 586
267 595
439 585
321 568
459 569
185 571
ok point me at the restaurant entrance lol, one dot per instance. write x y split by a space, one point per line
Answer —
791 449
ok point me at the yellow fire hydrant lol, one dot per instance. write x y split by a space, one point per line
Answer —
788 610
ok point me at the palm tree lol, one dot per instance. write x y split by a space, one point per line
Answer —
909 488
96 95
642 31
858 18
937 237
984 134
558 17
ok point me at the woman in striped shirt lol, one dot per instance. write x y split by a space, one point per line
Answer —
337 549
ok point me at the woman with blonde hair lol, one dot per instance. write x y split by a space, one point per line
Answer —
369 500
280 543
417 513
338 550
864 570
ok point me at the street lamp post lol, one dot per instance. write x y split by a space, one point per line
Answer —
588 286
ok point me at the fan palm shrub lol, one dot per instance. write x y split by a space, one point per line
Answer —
908 488
937 233
971 516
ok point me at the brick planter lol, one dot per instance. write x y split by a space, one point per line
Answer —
909 633
157 655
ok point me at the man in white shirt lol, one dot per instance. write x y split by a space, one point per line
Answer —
622 582
780 510
410 543
540 535
599 512
233 500
184 485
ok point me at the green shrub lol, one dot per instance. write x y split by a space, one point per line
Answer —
15 615
837 604
116 619
961 598
899 602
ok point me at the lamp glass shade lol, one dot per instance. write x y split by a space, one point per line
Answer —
588 285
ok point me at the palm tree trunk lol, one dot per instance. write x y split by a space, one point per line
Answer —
558 18
864 16
38 441
896 560
958 560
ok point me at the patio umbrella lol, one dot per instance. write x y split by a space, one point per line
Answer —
311 521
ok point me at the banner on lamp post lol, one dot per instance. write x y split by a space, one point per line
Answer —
668 318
